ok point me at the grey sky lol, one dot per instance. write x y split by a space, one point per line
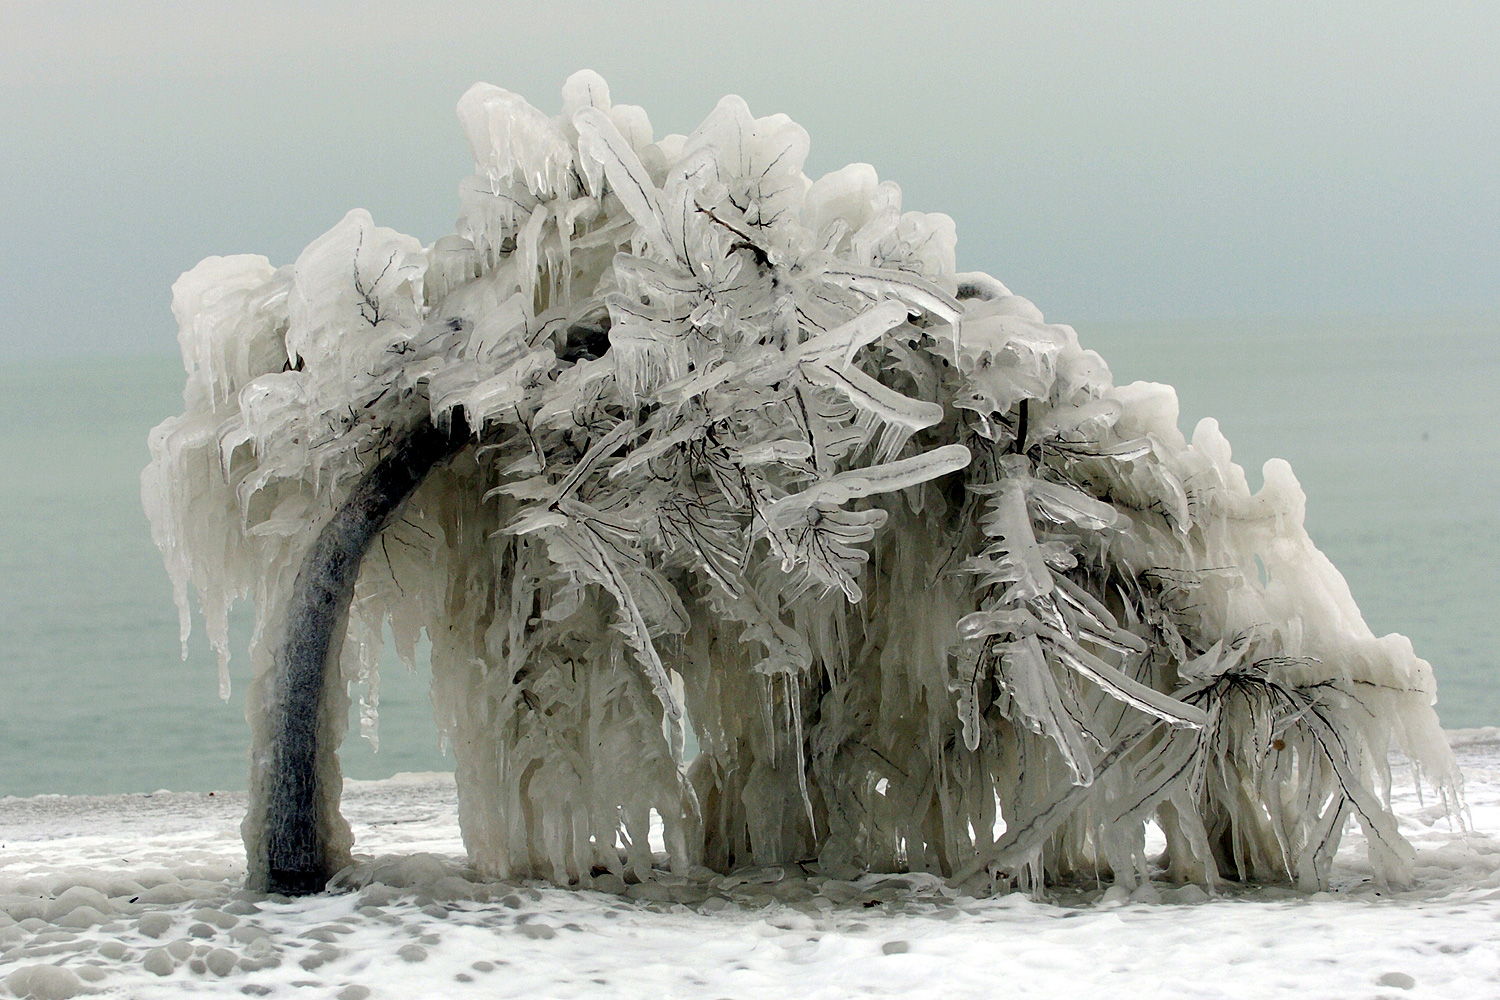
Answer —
1108 160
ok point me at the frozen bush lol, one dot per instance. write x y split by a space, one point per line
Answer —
745 451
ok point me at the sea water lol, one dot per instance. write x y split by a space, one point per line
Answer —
1392 425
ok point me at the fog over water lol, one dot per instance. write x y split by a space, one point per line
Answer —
1128 167
1396 442
1108 161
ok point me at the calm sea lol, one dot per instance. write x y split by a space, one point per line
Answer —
1393 426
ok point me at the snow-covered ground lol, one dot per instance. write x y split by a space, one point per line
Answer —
139 896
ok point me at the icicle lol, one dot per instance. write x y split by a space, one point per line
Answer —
714 403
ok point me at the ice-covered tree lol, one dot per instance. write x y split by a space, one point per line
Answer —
669 435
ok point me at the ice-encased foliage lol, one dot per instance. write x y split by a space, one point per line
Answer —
750 454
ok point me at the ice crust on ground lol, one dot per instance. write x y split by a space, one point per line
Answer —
141 896
752 456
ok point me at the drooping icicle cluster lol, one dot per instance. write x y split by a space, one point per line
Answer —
749 455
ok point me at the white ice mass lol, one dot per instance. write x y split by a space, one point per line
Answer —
670 438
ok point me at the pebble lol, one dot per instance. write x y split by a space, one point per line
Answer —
245 933
353 992
181 949
818 907
44 982
221 961
255 990
412 953
482 966
452 887
895 948
154 925
377 894
240 908
1400 980
113 950
840 892
218 918
153 878
419 869
73 898
609 882
201 930
652 891
166 894
197 966
319 958
538 932
320 934
1189 895
20 908
158 961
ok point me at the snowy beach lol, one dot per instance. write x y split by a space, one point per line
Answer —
1020 532
140 896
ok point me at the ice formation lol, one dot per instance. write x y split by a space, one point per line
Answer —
667 435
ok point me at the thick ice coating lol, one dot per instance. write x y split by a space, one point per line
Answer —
749 454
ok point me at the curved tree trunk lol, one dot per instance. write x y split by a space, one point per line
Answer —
298 858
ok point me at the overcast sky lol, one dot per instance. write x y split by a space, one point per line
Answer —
1108 160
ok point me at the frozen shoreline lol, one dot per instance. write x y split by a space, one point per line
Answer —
139 896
